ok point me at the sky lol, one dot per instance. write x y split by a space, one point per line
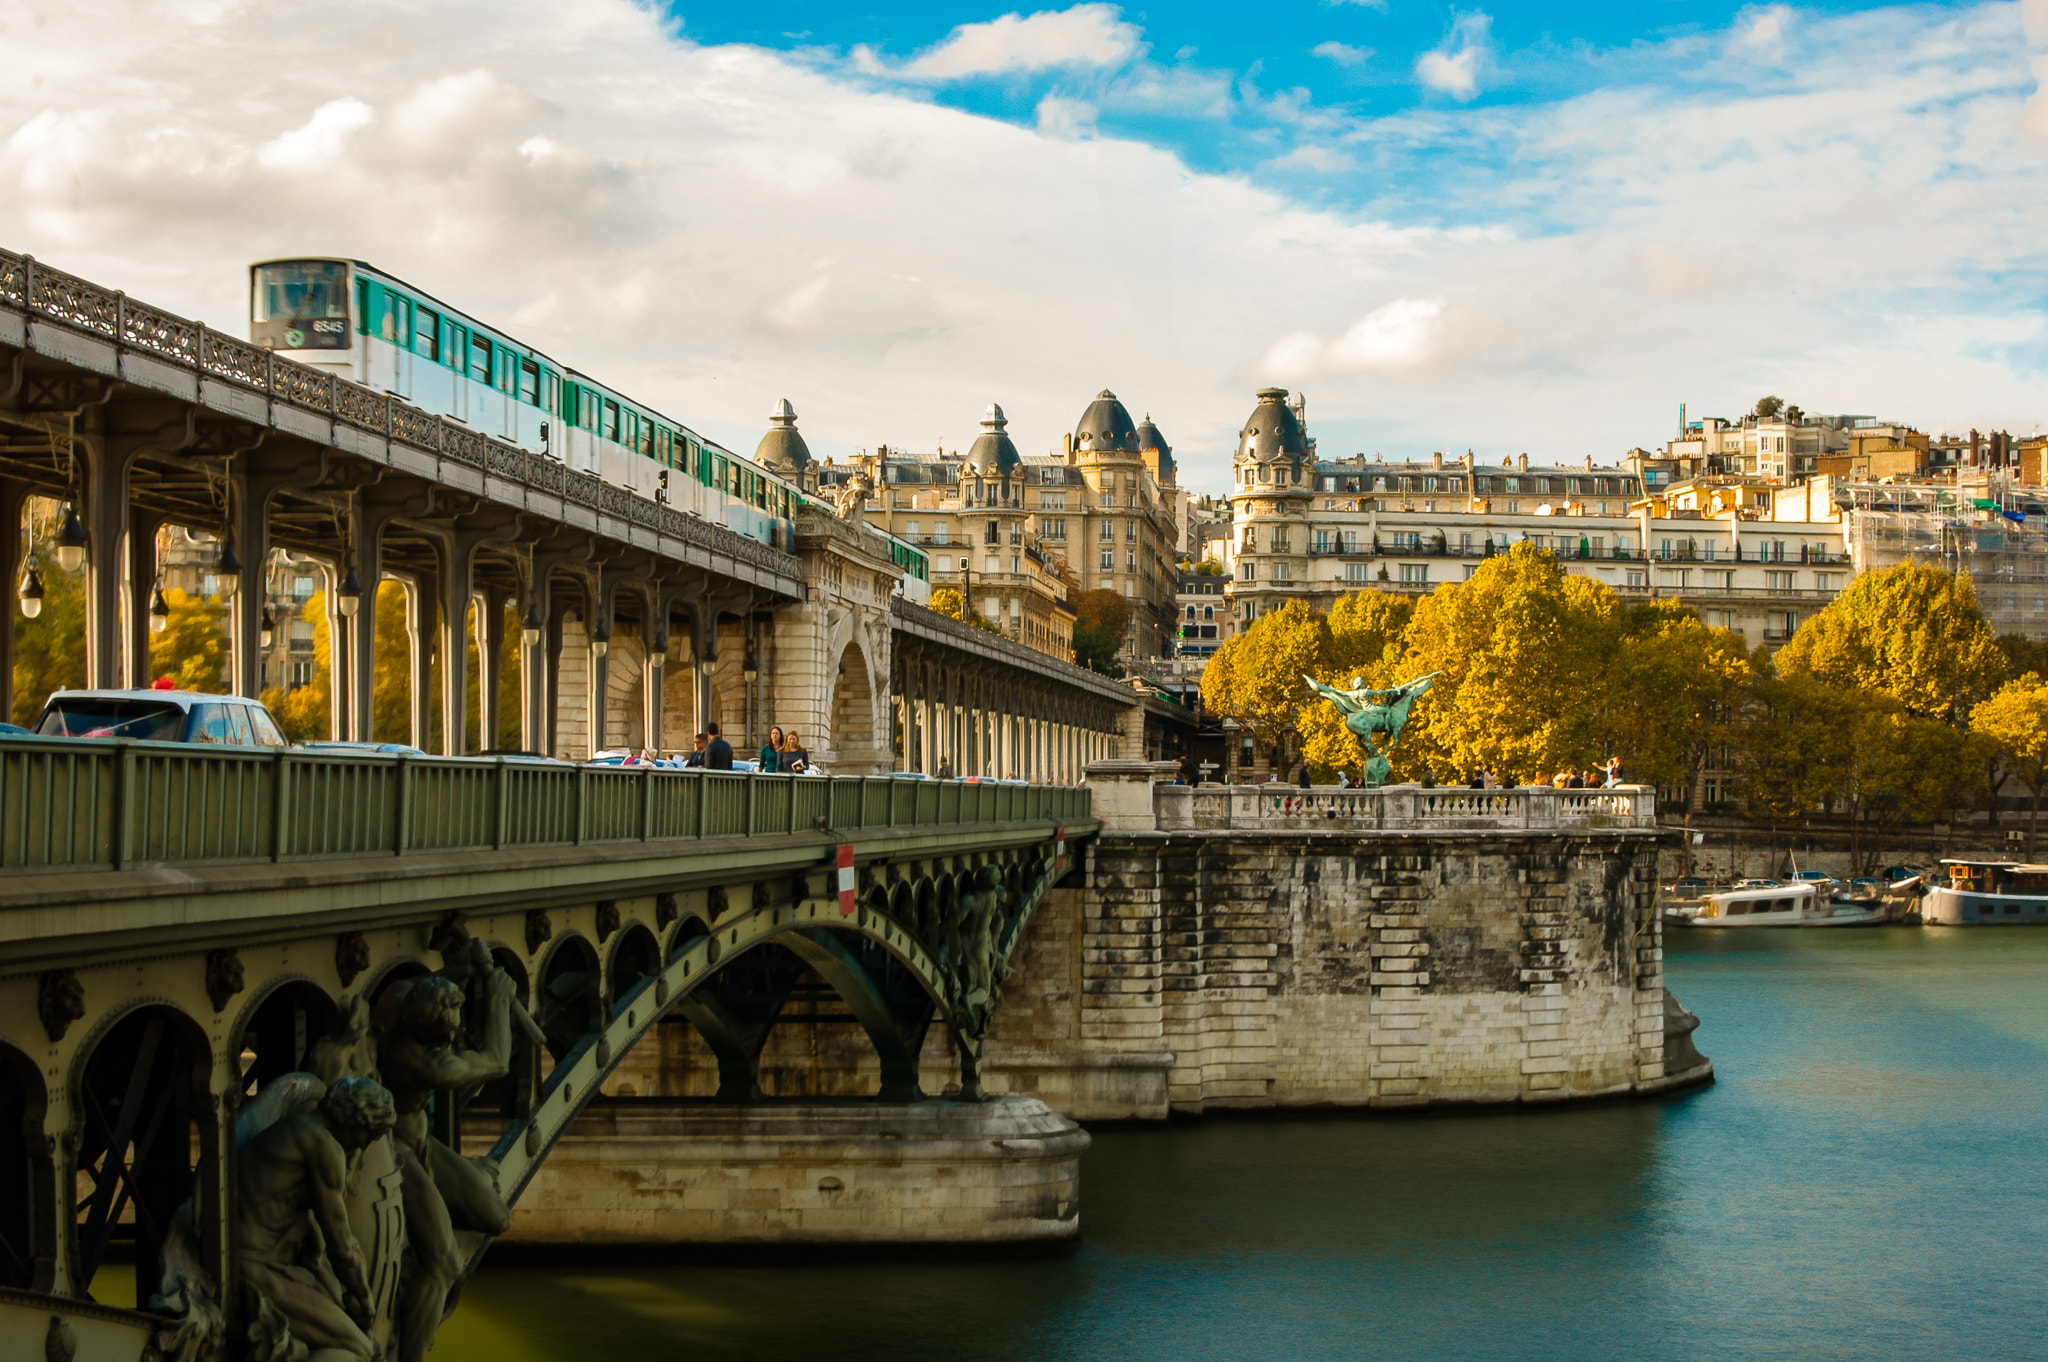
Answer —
1514 228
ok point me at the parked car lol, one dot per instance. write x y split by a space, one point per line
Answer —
363 749
160 716
1686 886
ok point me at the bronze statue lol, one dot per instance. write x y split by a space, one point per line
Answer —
1375 717
293 1241
450 1201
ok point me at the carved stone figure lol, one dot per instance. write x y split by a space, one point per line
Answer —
451 1203
293 1241
853 497
1375 717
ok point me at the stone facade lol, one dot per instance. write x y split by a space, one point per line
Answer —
1006 1171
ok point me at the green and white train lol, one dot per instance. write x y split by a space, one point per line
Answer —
382 332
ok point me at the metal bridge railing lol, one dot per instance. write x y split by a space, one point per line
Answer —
80 805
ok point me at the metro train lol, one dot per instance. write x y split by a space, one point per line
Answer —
375 329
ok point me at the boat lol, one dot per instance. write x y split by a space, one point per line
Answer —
1785 905
1980 893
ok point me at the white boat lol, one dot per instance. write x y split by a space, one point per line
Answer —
1786 905
1985 893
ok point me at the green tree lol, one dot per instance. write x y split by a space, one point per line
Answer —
2015 722
1676 694
1769 408
1101 619
1911 632
193 648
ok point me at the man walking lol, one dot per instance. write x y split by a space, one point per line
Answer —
718 752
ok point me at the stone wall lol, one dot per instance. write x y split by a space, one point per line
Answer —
1392 969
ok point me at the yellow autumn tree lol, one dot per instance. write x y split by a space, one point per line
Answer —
304 714
192 650
1522 653
2015 722
1255 678
1911 632
950 603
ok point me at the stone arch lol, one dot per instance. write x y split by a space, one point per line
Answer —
856 731
28 1231
142 1093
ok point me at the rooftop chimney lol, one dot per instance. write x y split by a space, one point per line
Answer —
1681 420
1522 462
1438 457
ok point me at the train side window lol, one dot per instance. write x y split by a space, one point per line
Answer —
611 421
554 393
427 333
391 319
458 346
480 358
529 382
645 439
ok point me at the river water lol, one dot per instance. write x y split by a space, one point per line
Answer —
1866 1180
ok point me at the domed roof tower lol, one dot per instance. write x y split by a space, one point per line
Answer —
782 450
1158 454
993 451
1105 427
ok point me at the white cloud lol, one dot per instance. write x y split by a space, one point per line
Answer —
1364 4
1764 28
712 228
1341 53
1090 35
1455 67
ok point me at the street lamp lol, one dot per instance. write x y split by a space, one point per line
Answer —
230 571
269 630
159 610
751 668
529 628
32 593
350 598
71 541
659 654
600 639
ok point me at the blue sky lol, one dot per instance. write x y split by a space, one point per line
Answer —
1503 228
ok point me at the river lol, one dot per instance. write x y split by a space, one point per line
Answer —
1866 1180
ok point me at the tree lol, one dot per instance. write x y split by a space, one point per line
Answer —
1367 632
1101 618
391 699
1522 653
1255 678
2015 722
49 650
192 649
950 603
305 713
1769 408
1676 695
1911 632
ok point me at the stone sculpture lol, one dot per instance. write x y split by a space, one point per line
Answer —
1375 717
452 1203
852 498
293 1241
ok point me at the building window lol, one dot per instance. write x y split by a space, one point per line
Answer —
1414 572
1780 581
1108 560
1357 572
1248 572
1108 530
1637 577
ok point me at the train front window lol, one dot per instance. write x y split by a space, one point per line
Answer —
300 305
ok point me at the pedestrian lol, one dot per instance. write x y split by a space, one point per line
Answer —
945 768
1540 778
769 759
1304 774
794 758
717 751
696 758
1614 770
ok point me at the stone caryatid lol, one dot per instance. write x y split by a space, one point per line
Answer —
450 1201
853 498
293 1242
1375 716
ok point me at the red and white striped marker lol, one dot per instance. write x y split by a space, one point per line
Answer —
846 879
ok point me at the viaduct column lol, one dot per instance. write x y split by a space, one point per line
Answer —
12 496
141 572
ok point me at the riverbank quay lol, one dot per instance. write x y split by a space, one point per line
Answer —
1726 847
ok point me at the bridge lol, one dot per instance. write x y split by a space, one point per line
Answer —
183 927
139 418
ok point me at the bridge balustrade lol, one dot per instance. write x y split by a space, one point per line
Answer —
94 804
1289 808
